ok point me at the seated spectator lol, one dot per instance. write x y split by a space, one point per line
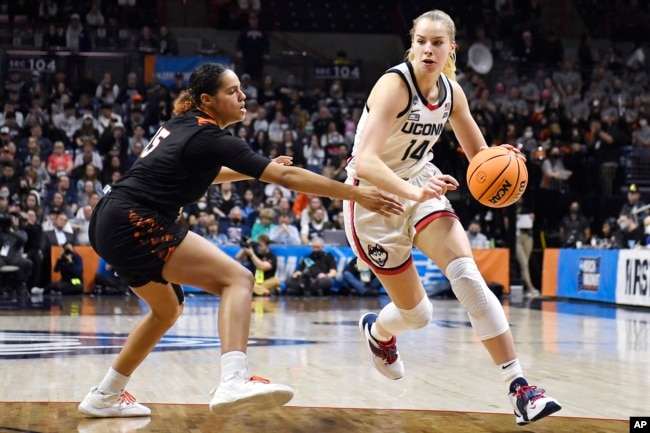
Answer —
59 162
223 198
32 247
57 235
87 131
112 162
276 196
43 177
260 260
249 206
635 204
70 265
316 273
213 235
308 212
90 174
32 202
313 155
314 226
284 232
610 236
264 224
115 136
12 239
200 226
476 238
87 155
632 234
575 229
106 93
360 283
235 227
12 180
81 224
60 202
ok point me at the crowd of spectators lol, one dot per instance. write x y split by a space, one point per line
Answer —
575 119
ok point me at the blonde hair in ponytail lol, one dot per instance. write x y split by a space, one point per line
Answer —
449 69
184 102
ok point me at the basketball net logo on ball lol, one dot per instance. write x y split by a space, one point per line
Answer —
497 177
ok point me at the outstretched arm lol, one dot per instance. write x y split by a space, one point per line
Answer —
299 179
229 175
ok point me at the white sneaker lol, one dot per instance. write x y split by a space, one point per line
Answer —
112 425
530 403
236 393
102 405
384 356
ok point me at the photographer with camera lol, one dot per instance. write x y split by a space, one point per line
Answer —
260 260
12 239
70 265
315 274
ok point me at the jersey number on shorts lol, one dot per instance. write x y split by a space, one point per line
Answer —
155 141
417 152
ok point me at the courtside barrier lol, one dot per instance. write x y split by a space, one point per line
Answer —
493 263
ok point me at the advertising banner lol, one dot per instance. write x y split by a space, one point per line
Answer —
587 274
633 277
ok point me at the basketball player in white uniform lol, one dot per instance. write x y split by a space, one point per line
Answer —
403 118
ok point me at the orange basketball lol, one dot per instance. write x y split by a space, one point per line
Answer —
497 177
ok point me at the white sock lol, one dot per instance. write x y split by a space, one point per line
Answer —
511 370
378 336
113 382
233 362
389 315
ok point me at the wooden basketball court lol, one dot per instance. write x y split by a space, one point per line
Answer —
592 358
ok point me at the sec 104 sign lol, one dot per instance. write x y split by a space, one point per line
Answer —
30 64
342 72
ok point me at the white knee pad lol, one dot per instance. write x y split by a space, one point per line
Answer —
397 321
482 306
420 316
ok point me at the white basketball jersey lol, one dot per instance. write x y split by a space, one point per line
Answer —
416 130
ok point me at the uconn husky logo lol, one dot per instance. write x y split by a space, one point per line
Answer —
378 255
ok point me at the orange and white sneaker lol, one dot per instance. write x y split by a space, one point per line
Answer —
530 403
236 393
103 405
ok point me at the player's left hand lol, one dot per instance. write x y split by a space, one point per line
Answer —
378 201
283 160
514 150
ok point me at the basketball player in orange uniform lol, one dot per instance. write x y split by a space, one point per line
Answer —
403 118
